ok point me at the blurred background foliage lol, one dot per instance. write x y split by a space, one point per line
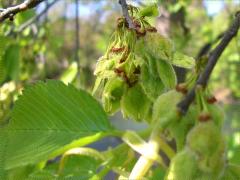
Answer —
41 43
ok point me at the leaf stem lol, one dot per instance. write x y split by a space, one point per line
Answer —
144 164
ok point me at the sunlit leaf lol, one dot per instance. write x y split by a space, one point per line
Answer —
167 74
11 61
150 10
50 118
79 167
3 69
69 74
183 60
152 85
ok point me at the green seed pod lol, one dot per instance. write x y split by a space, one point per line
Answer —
232 172
164 108
104 64
204 139
135 103
183 166
112 94
205 176
217 114
216 162
180 129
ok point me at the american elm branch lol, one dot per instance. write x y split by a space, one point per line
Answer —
11 11
212 60
36 18
126 14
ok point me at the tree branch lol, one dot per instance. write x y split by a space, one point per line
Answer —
36 18
11 11
126 14
212 60
77 41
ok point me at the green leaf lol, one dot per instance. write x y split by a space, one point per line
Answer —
11 61
151 10
158 46
157 173
73 164
21 172
182 60
164 106
120 155
167 74
50 118
3 143
152 85
3 45
232 172
24 16
41 174
79 168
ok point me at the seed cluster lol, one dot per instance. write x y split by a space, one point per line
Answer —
129 73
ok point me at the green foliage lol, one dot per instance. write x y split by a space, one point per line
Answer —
204 139
150 10
131 106
11 61
166 74
165 106
42 129
137 64
79 167
157 46
69 75
23 17
50 118
183 166
113 92
231 172
3 45
183 60
151 83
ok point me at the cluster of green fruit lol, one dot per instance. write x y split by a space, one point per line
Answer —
137 67
200 145
136 75
198 134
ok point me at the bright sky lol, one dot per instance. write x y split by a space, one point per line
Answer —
212 7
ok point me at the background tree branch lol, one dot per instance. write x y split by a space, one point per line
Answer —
36 18
212 60
11 11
